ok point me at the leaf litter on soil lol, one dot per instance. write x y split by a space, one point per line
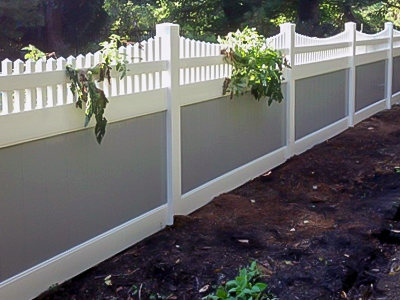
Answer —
324 225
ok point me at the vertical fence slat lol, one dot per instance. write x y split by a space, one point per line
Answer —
182 55
198 54
97 59
145 82
129 79
151 57
7 97
208 68
30 102
137 59
61 88
217 51
203 54
51 65
188 72
80 61
123 81
193 54
41 92
89 60
70 97
158 51
19 95
212 67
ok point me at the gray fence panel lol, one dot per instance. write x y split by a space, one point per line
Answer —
221 135
396 75
320 101
370 84
62 191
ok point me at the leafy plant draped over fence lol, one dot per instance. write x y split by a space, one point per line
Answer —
83 84
256 68
83 80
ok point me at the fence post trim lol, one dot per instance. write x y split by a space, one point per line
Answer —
288 30
351 28
169 34
389 66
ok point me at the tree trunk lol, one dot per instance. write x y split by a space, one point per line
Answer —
308 11
54 27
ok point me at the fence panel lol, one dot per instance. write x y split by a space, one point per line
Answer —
62 191
370 43
320 102
396 75
370 84
312 50
221 135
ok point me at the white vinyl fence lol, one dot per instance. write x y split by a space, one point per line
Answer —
173 141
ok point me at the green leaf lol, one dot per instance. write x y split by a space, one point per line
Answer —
221 293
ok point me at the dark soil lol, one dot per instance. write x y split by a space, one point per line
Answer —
321 226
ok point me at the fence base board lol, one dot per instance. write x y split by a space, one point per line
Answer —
395 98
319 136
202 195
34 281
369 111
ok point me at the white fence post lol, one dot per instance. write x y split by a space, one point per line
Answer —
169 34
288 30
350 27
389 69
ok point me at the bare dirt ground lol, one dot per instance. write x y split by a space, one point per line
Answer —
325 225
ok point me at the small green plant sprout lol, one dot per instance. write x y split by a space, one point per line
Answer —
246 286
255 67
35 54
84 86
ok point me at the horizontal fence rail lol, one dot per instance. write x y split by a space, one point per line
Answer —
173 143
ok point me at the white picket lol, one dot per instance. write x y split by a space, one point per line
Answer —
121 83
208 68
41 91
30 102
97 59
151 57
70 97
7 96
137 59
51 65
61 88
203 54
19 95
130 79
188 72
181 55
158 51
144 52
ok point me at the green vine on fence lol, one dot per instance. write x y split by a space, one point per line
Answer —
83 83
256 68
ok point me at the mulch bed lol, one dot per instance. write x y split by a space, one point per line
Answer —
324 225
